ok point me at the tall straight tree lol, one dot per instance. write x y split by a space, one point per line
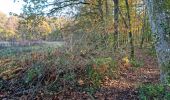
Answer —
100 9
107 8
143 28
116 22
159 18
130 31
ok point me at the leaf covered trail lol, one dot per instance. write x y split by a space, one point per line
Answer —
125 88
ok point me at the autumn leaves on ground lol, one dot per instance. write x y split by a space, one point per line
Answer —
57 75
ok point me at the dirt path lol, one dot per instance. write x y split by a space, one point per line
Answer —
125 88
150 72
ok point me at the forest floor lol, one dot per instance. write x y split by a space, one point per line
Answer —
124 87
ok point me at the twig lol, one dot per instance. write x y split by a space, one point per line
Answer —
92 98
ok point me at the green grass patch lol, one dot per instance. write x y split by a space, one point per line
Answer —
136 63
153 92
151 51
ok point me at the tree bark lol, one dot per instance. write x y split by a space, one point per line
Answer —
143 29
100 9
116 22
130 31
107 8
158 20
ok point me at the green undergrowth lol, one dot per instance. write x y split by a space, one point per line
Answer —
151 51
99 68
11 57
22 50
55 70
153 92
137 63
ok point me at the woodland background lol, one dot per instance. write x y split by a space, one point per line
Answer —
86 49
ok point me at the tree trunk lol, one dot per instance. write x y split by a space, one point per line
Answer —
130 31
107 8
143 29
100 9
158 21
116 22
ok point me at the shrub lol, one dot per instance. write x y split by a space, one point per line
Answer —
99 68
136 63
33 73
153 92
151 51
